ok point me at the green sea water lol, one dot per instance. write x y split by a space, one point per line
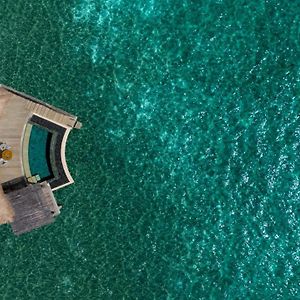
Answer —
187 168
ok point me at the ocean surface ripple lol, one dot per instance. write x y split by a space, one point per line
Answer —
187 168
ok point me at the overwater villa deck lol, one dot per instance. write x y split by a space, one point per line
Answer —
33 162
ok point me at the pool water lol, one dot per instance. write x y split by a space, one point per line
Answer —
39 152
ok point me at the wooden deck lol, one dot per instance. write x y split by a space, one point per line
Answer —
6 210
15 111
33 206
13 117
50 114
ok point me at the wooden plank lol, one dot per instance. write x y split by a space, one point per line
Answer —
33 206
13 117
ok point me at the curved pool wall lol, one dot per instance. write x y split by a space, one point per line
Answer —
43 152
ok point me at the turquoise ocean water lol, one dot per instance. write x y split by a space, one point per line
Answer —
187 167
